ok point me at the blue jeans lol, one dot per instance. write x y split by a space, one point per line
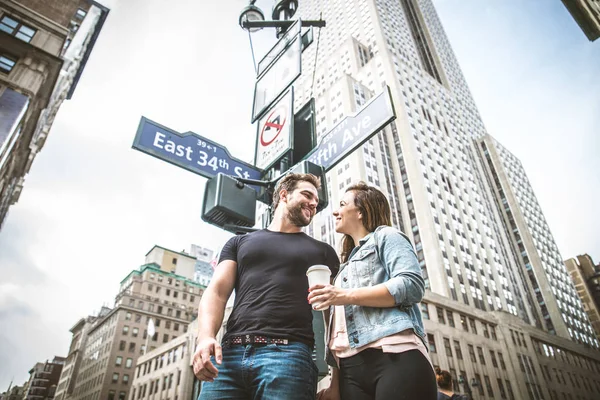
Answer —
269 372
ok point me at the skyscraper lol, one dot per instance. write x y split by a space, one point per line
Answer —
486 253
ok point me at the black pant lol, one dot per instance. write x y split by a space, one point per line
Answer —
375 375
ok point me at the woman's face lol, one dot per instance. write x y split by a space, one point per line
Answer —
347 216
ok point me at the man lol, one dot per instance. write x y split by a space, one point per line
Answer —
267 350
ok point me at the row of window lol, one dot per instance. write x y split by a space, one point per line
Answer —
155 386
154 308
161 360
445 316
173 293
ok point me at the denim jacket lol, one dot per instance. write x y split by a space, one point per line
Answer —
384 256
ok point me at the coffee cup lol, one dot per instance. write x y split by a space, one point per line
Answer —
318 275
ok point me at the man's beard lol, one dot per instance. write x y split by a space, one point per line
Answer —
297 217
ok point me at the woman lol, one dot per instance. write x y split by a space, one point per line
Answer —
444 382
375 334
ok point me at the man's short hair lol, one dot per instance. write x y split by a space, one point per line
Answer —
290 182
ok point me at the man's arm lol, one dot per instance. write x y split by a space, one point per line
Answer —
210 317
212 305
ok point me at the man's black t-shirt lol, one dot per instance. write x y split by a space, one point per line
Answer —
271 286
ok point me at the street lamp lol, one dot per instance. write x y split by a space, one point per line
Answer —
251 13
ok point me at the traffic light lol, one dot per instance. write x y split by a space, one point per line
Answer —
228 203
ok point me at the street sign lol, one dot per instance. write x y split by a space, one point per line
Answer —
275 132
353 131
279 47
190 151
275 80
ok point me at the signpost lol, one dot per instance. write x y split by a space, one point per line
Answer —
279 76
353 131
275 132
190 151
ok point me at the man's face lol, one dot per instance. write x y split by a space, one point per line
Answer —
301 204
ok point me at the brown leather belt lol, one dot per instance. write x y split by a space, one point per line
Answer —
253 339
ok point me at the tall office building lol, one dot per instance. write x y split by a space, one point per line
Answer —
498 291
586 276
587 15
44 46
104 349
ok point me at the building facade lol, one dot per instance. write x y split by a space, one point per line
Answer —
43 379
486 252
105 349
43 49
587 15
586 276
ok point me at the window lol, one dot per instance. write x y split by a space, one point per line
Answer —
17 29
128 363
135 332
431 342
458 350
473 326
176 327
479 384
448 347
128 315
501 386
493 357
165 338
122 395
111 395
472 353
450 318
125 378
115 377
488 386
122 345
440 315
132 347
481 357
424 310
125 330
7 63
501 359
119 361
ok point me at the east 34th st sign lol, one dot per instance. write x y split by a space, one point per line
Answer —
190 151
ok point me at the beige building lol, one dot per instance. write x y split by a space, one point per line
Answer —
180 263
586 277
110 348
587 15
44 46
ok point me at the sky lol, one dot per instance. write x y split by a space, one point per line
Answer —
92 207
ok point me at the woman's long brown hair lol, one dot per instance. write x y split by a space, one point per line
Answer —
375 210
